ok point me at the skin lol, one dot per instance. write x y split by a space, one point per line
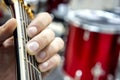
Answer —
43 45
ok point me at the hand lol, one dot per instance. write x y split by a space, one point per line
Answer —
43 44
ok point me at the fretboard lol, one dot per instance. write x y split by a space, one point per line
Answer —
26 64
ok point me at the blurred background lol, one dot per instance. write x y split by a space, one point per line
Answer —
91 31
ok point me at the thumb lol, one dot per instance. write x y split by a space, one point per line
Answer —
7 29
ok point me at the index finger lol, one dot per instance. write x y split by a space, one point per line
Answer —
41 21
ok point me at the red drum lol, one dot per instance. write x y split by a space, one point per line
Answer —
93 47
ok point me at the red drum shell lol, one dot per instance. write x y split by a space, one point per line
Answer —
91 52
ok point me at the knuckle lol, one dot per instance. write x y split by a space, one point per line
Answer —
56 45
57 59
60 42
45 14
48 34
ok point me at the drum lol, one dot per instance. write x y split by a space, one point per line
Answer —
93 45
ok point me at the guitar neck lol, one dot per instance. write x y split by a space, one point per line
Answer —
26 64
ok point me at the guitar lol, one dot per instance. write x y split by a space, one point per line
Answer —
26 64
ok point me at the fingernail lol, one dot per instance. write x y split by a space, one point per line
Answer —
42 55
31 31
44 66
33 46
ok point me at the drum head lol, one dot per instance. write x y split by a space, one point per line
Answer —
96 21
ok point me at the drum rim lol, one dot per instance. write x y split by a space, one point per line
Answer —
99 29
94 28
92 25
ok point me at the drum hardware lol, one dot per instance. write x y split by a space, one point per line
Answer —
97 71
86 35
78 75
110 77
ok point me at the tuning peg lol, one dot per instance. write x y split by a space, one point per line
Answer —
28 5
33 12
21 0
30 13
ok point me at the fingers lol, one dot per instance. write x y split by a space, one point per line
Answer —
38 24
43 44
7 29
9 42
56 45
47 54
40 41
50 64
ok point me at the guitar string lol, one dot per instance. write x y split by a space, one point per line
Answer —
22 25
26 40
25 21
34 65
37 73
31 59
